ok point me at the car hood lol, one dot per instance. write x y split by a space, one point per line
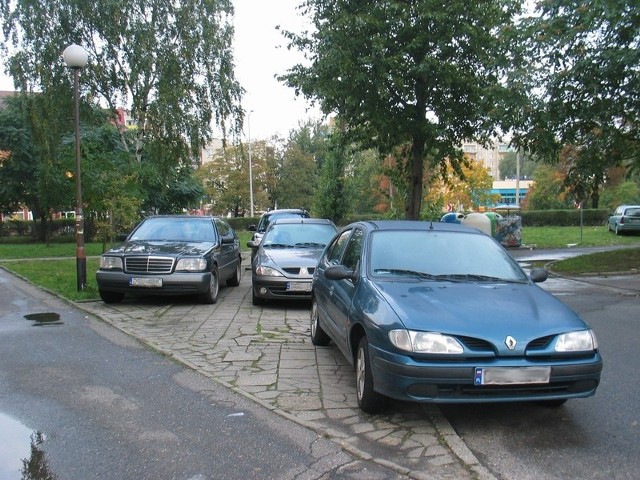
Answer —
139 247
485 310
298 257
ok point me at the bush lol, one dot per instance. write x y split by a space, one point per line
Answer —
564 218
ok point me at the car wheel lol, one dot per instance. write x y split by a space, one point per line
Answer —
111 297
318 336
235 280
369 400
256 300
211 295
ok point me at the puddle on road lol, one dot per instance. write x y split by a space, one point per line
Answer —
21 455
46 318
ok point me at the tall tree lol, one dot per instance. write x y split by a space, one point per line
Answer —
421 73
584 79
172 62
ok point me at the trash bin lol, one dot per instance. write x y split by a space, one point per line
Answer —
494 218
479 221
452 217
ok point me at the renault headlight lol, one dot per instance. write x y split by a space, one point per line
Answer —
268 272
581 341
425 342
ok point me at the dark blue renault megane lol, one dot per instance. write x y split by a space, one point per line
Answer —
440 312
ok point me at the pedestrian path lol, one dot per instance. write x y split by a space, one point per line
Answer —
266 354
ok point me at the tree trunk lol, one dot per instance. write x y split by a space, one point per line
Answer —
414 202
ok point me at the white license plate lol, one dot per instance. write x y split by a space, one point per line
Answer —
511 375
146 282
299 287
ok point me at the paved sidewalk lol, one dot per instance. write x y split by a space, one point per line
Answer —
265 353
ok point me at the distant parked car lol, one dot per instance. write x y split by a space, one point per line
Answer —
440 312
625 218
269 217
172 255
286 258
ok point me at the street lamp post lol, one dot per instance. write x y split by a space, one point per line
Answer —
76 58
250 167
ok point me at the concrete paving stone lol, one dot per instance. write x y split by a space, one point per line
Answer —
239 356
257 379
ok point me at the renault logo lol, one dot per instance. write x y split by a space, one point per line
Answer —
510 342
304 271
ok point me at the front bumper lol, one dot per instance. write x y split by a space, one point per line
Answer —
404 378
182 283
281 288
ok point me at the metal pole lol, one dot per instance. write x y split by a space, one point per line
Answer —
81 260
250 172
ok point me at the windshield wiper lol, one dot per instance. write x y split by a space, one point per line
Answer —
413 273
478 277
277 245
310 244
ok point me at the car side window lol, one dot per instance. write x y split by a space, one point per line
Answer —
224 229
335 251
353 251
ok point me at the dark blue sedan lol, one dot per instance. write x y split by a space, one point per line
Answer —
440 312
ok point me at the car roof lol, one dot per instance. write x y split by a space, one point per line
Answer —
414 225
300 220
183 216
285 210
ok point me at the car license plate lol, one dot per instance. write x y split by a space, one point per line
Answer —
299 287
146 282
511 375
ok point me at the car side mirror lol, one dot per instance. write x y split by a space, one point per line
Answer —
539 274
251 228
253 244
339 272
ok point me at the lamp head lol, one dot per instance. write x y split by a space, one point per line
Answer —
75 56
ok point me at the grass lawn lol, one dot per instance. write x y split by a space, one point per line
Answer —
54 267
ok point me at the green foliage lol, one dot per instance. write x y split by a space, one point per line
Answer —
547 192
404 73
508 166
171 61
564 218
330 196
584 82
626 193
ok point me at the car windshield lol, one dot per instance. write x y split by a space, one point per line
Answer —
299 235
268 219
176 230
451 256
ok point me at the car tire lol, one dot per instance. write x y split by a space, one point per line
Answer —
211 295
369 400
235 280
318 336
256 300
111 297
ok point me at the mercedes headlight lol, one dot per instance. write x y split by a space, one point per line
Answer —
110 263
191 265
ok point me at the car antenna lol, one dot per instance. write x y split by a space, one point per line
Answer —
431 225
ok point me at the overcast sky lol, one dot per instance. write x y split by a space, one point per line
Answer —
260 54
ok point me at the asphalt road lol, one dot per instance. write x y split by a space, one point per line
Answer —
112 409
595 438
